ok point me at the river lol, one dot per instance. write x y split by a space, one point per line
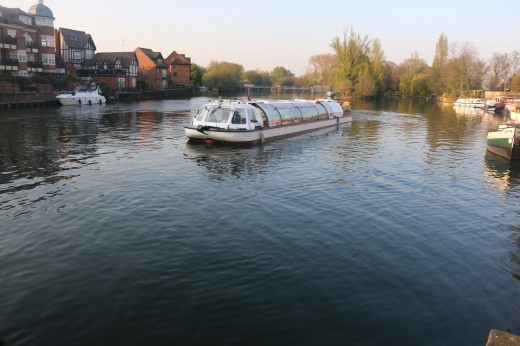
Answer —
398 229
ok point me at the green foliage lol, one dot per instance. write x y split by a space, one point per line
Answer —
105 89
58 82
142 84
258 78
223 76
196 75
353 57
23 81
281 76
40 80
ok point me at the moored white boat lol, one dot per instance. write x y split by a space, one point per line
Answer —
505 141
470 102
252 122
87 94
514 111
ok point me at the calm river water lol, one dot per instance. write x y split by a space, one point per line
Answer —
397 229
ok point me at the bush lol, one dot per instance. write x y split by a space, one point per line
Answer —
39 80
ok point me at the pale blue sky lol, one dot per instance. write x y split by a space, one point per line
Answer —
268 33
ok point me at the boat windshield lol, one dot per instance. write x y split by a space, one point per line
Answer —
217 114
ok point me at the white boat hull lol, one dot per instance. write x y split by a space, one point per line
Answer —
261 135
69 100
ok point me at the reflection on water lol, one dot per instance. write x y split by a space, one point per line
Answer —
502 174
221 163
398 222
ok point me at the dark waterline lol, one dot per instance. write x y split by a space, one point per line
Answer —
398 229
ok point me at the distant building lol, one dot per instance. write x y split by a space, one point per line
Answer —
119 70
179 69
75 48
27 44
152 68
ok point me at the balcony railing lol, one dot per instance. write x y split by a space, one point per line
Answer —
32 45
9 62
102 72
33 64
9 40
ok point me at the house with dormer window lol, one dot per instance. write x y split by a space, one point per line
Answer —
152 68
75 48
179 69
118 69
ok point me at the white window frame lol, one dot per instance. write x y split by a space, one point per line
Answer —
49 59
11 33
13 54
22 56
47 41
77 55
40 21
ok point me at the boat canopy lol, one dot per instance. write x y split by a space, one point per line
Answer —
291 112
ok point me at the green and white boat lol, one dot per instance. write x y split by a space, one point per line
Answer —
505 141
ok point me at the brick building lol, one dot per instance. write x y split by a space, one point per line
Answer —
27 44
179 69
152 68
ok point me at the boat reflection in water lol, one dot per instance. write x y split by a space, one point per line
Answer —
223 163
502 174
461 110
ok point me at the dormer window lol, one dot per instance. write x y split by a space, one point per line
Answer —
26 20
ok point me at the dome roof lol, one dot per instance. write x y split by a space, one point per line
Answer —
41 10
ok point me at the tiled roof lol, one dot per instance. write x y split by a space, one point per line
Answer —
76 39
177 59
154 56
125 58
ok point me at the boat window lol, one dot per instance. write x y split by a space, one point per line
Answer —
309 112
290 115
323 114
202 113
239 116
218 115
273 116
329 109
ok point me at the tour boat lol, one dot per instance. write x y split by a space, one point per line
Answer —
248 122
87 94
470 102
505 141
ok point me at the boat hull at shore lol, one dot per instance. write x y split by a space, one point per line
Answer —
83 95
262 121
505 141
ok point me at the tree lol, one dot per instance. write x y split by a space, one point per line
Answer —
463 70
196 75
223 75
378 67
321 69
281 76
414 76
258 77
439 62
352 54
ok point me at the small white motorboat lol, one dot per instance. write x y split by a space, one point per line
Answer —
87 94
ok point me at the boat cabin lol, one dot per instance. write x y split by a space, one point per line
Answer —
238 115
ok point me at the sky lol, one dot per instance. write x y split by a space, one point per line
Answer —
261 35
